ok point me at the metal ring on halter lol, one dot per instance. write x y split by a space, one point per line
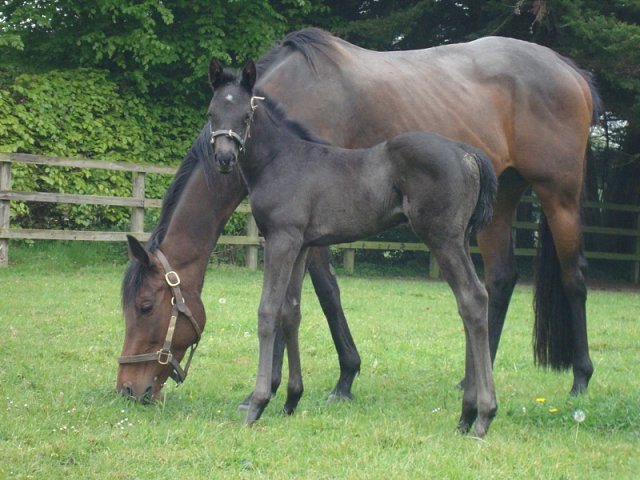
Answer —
254 103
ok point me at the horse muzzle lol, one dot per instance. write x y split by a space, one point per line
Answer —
226 161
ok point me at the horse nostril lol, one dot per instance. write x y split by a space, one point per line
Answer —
147 397
127 391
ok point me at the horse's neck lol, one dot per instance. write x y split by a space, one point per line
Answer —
268 139
204 207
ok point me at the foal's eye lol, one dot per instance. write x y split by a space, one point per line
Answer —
146 308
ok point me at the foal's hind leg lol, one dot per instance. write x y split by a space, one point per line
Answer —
479 399
448 244
500 271
290 317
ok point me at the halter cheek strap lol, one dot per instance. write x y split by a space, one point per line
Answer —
233 135
164 356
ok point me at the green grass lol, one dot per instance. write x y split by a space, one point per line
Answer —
60 416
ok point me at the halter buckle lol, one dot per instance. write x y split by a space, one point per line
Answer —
164 356
254 102
172 278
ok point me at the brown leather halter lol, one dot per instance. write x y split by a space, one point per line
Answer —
164 355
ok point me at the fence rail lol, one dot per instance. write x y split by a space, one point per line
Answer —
138 203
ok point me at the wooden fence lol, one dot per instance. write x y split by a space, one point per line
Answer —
138 203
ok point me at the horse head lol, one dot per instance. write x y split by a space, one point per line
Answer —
159 326
230 112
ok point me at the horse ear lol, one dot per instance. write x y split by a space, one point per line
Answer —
249 75
138 252
215 72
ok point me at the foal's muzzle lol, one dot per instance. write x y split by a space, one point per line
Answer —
226 161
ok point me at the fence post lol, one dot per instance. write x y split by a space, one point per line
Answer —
434 268
5 184
137 213
636 273
251 260
349 260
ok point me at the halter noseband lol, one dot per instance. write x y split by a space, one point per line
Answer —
164 355
233 135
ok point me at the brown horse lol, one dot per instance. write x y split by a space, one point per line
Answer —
527 107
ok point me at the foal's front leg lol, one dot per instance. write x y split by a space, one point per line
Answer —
280 253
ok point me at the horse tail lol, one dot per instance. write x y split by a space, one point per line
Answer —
553 341
486 197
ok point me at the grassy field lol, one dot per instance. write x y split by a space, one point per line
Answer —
60 416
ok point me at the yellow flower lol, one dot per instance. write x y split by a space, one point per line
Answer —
553 410
540 400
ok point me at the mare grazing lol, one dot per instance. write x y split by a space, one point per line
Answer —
304 192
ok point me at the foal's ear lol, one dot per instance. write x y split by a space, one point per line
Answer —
249 75
138 252
215 73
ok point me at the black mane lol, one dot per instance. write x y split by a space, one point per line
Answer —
201 152
309 42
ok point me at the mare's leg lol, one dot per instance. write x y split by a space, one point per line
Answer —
561 323
290 316
280 254
328 292
496 245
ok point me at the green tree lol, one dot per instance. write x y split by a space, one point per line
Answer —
118 80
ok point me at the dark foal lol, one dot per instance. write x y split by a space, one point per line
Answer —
304 193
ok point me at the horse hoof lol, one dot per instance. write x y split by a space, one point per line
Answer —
463 427
244 405
335 397
578 389
287 411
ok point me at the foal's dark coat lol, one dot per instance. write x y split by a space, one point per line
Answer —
304 193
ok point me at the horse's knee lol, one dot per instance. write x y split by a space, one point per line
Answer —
500 283
473 310
290 317
266 321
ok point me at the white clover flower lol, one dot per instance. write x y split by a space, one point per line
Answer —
579 416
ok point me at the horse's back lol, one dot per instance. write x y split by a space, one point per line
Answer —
499 94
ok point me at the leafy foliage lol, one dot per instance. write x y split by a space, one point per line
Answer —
80 112
125 80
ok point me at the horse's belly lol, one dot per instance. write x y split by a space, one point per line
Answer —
349 226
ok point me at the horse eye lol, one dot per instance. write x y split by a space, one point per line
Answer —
146 307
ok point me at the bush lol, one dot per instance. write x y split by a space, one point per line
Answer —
82 113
